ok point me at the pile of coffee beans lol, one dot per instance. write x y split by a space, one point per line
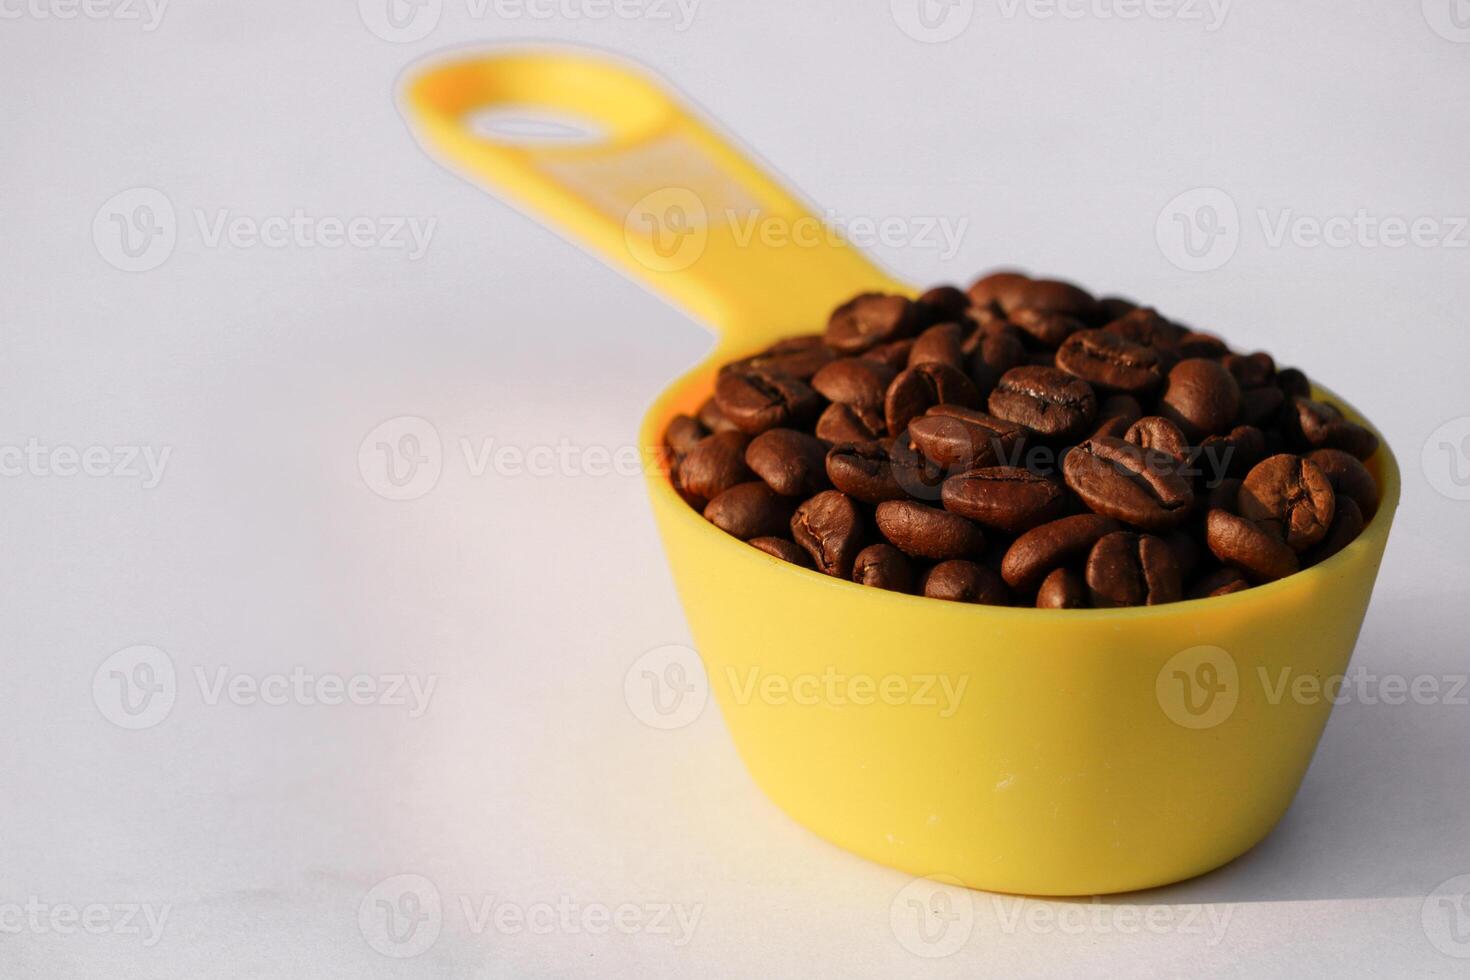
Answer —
1025 443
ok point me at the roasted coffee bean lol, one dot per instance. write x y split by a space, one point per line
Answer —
751 510
1222 581
1225 495
683 433
1250 370
1127 569
1255 548
1320 425
712 418
1052 296
1347 524
942 304
756 399
928 532
1259 405
830 528
1201 398
1049 329
1124 407
1120 480
1110 308
894 356
844 423
1143 325
1001 289
918 389
854 381
1293 493
1062 589
714 465
1232 454
1202 345
965 581
792 463
872 472
783 549
1004 497
993 352
1113 428
1349 478
1053 544
941 344
957 438
796 357
1158 433
866 321
1047 401
1293 383
883 566
1109 362
1188 553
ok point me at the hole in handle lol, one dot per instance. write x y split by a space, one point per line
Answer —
513 125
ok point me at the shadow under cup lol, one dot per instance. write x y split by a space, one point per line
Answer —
1043 752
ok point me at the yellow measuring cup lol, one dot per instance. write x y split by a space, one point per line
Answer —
1042 752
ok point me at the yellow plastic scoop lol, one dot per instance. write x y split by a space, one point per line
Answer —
1042 752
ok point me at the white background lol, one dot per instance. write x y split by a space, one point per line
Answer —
529 779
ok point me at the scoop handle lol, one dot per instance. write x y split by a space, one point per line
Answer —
658 194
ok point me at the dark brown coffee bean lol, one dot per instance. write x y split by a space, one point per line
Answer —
854 381
1260 405
1222 581
1109 362
965 581
1256 549
1250 370
1201 398
783 549
757 400
918 389
1233 454
843 423
1143 325
830 528
992 351
1293 383
868 320
1120 406
1052 296
1001 289
714 465
1126 569
1320 425
683 433
1053 544
940 344
928 532
957 438
1113 428
1120 480
750 510
942 304
1049 329
894 356
712 418
1047 401
796 357
1062 589
885 567
1158 433
1293 493
792 463
873 473
1005 497
1225 495
1205 345
1347 524
1188 552
1349 478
